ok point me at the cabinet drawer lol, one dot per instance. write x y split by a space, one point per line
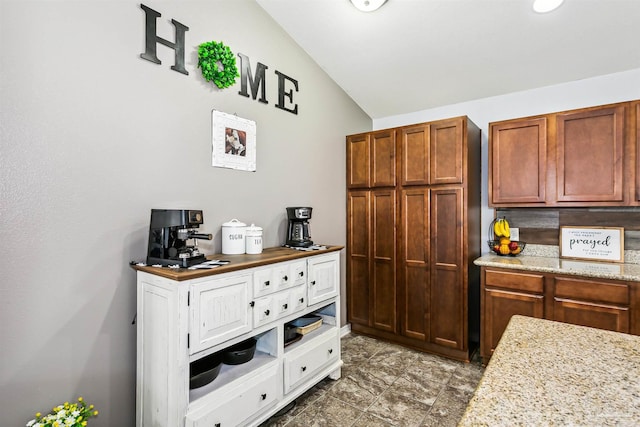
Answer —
307 360
240 404
588 290
515 281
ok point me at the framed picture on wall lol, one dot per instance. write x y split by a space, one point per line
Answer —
592 243
233 142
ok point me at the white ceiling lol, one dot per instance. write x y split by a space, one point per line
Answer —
413 55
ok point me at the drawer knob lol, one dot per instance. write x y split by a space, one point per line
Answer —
266 313
217 425
313 282
301 273
285 306
252 303
330 350
304 368
285 278
266 283
264 396
301 299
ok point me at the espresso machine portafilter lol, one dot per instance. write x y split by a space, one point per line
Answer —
169 231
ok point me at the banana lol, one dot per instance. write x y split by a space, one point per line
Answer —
505 228
497 227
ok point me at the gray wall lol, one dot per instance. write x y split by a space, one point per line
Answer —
93 137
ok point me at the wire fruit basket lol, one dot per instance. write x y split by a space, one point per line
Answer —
502 245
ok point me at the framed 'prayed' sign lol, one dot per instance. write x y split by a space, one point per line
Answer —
592 243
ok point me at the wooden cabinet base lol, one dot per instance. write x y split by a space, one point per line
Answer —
462 355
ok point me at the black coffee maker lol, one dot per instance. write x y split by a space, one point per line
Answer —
298 234
169 231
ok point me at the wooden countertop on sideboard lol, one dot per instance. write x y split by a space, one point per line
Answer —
237 262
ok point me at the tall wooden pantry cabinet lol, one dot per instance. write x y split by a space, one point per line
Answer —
413 231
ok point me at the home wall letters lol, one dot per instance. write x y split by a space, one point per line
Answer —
257 82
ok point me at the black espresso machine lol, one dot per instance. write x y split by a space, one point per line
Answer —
169 231
298 234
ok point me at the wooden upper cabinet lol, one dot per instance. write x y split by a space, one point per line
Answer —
590 147
518 161
383 158
371 159
446 158
358 161
415 155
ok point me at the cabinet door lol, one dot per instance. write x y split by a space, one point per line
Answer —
358 161
415 155
414 256
383 158
599 304
358 255
518 162
448 280
324 278
220 310
498 308
506 293
446 151
601 316
590 143
383 281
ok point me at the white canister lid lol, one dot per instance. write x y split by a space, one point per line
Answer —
234 223
254 229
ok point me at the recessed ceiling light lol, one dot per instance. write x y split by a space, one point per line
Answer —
544 6
368 5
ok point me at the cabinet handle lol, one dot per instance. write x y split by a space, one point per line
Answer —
313 282
330 350
301 274
301 299
285 278
264 396
266 313
285 306
266 283
304 368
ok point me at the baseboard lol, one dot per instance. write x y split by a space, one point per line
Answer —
345 330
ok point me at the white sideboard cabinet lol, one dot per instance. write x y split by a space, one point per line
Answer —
184 315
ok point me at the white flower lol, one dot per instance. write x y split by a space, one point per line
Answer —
30 423
75 413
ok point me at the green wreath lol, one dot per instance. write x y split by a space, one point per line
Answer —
218 64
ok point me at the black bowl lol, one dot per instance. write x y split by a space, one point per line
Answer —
290 332
205 370
240 353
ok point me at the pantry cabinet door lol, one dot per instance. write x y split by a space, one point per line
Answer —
358 161
383 158
415 155
448 282
384 259
446 148
414 263
518 162
358 256
590 146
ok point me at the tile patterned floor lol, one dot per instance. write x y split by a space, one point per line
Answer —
384 385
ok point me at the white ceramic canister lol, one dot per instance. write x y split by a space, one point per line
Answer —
254 239
233 237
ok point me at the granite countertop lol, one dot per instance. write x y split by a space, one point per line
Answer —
554 264
547 373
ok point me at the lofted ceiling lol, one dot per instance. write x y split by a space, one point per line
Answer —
412 55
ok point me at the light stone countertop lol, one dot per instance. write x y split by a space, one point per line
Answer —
546 373
551 264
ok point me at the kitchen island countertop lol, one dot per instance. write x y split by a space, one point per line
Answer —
603 270
547 373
